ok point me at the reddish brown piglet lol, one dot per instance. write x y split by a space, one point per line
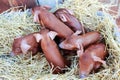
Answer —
49 20
67 16
92 59
79 42
24 44
50 49
19 4
4 5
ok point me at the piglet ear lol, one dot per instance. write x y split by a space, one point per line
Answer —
38 37
63 18
36 17
71 12
98 59
24 46
77 33
52 34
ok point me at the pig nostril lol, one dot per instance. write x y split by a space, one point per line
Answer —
82 76
12 54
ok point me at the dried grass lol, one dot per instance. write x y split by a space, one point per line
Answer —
14 24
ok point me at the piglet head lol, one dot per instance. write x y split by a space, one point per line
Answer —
71 42
86 64
64 10
63 13
19 46
36 11
67 44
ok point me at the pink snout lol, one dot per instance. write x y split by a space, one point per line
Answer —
12 53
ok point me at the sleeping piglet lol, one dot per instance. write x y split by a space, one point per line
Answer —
92 59
24 44
69 19
79 42
49 20
50 49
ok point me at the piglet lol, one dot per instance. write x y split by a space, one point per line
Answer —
50 49
49 20
79 42
92 59
24 45
69 19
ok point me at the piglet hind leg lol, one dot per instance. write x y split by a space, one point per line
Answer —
56 70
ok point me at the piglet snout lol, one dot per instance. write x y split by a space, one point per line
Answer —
82 76
12 54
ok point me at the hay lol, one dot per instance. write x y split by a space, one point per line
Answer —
14 24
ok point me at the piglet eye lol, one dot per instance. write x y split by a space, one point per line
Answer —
17 50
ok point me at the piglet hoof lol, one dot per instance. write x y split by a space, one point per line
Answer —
77 32
104 64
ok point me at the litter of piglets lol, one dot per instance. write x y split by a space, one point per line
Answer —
60 40
71 39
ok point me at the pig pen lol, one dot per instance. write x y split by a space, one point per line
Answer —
15 24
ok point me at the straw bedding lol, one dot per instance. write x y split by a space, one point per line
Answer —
15 24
